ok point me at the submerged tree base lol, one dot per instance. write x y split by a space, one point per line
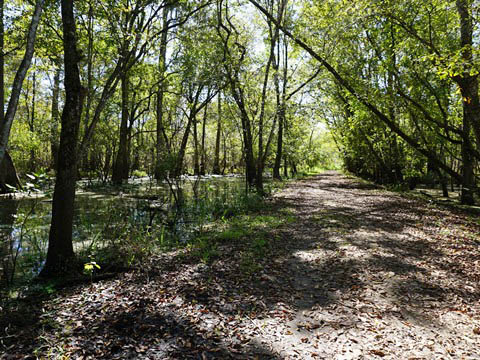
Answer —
8 175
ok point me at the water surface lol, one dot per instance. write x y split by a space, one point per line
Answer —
102 209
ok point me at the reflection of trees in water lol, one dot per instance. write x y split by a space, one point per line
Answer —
178 206
8 210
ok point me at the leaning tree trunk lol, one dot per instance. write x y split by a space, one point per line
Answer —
178 169
6 126
8 173
60 246
31 162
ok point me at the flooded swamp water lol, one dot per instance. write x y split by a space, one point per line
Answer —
103 211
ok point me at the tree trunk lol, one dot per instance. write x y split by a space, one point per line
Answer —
225 154
250 168
178 170
196 163
7 242
120 170
444 184
468 176
195 108
55 117
216 161
6 126
238 93
274 32
2 66
468 83
278 156
251 173
471 105
160 132
31 164
202 149
281 112
8 174
131 120
60 246
84 155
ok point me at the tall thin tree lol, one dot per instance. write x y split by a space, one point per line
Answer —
60 246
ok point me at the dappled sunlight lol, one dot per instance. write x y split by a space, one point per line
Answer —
244 179
309 276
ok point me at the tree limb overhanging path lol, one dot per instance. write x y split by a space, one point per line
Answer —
356 272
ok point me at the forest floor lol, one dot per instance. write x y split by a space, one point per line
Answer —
331 268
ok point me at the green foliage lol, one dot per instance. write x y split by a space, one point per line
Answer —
139 174
90 267
205 249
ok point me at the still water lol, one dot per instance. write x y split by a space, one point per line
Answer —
25 222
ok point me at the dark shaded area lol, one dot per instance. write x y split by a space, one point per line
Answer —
8 174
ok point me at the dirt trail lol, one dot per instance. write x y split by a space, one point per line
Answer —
360 273
376 274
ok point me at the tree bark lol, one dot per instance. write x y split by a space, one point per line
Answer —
2 65
60 247
281 112
468 175
8 174
31 164
120 170
274 62
160 131
84 156
6 126
278 156
195 108
54 144
471 103
468 83
178 170
202 148
196 163
216 161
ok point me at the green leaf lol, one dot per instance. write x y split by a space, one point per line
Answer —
88 267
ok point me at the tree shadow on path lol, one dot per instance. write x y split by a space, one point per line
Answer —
358 269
